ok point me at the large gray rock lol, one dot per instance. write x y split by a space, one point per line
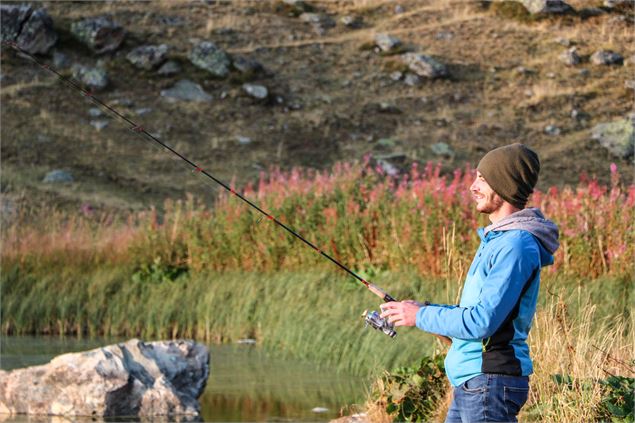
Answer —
387 43
186 90
207 56
259 92
148 57
606 57
546 6
424 65
94 78
132 379
37 35
570 57
617 137
32 30
352 21
12 17
100 34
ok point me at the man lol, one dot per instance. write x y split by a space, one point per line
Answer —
488 363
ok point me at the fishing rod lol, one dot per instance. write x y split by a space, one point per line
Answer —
372 318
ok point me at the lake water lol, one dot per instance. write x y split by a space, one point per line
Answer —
246 383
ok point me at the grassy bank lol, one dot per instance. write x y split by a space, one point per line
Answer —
315 314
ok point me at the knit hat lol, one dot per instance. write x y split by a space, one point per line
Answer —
512 172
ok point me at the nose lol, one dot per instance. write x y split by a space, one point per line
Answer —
474 186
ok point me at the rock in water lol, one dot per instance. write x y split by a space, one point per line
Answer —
129 379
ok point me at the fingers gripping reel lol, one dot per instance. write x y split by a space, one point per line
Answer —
373 320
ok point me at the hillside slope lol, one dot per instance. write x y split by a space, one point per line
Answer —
332 96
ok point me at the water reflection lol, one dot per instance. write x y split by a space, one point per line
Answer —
246 383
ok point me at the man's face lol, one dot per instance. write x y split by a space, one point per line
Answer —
487 201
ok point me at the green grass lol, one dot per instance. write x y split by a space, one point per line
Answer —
313 315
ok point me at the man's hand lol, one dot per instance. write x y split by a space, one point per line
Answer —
403 313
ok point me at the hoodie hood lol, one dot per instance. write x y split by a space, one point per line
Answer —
533 221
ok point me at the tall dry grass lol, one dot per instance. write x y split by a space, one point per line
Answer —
572 353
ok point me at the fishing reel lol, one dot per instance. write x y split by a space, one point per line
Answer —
373 319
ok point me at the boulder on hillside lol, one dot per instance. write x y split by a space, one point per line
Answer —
148 57
12 17
259 92
207 56
132 379
606 57
617 137
186 90
424 65
32 30
94 78
387 43
546 6
352 21
101 34
37 35
570 57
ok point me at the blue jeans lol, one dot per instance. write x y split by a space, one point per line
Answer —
489 398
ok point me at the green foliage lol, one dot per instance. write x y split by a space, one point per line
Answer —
158 272
412 393
618 400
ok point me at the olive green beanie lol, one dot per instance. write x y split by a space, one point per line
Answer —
512 172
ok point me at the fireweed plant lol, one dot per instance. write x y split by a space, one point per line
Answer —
366 219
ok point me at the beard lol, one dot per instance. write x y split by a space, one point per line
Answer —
490 203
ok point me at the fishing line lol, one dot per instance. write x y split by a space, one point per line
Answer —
196 168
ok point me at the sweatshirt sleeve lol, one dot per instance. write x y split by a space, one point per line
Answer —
512 266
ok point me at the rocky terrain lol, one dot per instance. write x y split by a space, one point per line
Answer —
241 86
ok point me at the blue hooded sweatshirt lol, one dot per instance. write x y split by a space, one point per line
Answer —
489 327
